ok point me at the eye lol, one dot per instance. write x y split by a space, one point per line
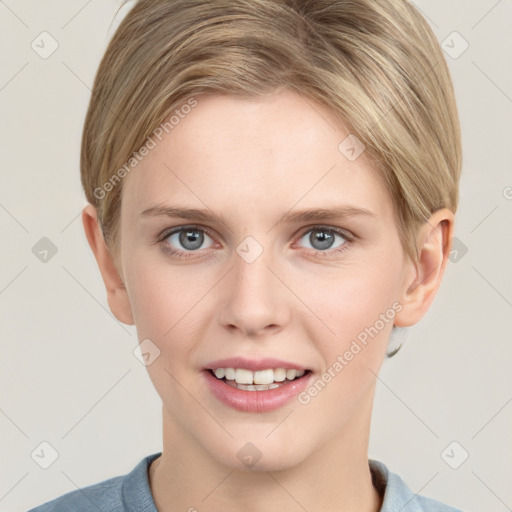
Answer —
182 242
185 239
324 239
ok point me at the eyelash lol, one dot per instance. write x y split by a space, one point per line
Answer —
189 254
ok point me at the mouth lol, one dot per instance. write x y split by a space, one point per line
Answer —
260 380
258 391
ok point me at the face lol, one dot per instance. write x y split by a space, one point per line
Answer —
251 278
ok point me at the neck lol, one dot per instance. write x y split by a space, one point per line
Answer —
336 477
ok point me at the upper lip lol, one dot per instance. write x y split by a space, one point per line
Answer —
254 364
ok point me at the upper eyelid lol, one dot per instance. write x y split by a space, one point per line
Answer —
176 229
345 233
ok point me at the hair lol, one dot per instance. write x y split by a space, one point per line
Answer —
376 64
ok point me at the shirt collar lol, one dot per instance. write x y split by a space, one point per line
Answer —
136 492
396 495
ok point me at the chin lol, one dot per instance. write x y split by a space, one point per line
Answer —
260 456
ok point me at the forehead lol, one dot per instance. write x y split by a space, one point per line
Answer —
265 154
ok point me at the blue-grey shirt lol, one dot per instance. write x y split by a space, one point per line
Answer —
131 493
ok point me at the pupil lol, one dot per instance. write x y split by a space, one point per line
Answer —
192 239
324 238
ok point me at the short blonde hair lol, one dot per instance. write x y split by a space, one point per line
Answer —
376 64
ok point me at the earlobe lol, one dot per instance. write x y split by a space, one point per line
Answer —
422 282
117 294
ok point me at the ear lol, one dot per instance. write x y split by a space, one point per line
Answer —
117 295
422 279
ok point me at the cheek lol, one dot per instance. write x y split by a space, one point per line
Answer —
168 304
348 300
168 310
358 306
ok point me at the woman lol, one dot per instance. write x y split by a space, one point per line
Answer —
272 189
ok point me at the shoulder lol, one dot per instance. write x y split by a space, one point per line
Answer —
103 495
118 494
397 495
431 505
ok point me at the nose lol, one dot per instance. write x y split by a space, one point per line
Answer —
254 300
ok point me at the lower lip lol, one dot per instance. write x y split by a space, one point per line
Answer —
256 401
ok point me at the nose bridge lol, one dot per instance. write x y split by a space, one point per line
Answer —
252 277
254 299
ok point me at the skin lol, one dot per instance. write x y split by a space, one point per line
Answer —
253 160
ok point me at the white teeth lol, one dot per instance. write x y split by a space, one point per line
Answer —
279 374
220 373
263 377
291 374
252 387
243 376
230 373
260 377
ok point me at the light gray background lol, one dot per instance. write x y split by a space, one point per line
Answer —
69 376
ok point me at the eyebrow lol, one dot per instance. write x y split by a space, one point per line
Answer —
308 215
